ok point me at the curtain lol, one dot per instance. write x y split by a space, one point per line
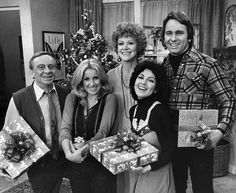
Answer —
209 14
73 15
114 13
154 11
177 5
78 7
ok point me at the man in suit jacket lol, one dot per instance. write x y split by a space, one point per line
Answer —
33 105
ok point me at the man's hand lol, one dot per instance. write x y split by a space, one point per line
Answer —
141 169
214 136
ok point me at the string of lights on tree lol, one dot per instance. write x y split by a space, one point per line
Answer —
85 43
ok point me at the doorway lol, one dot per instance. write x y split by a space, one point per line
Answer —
12 76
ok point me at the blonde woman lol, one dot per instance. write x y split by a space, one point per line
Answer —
90 112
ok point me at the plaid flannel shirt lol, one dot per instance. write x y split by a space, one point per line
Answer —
200 83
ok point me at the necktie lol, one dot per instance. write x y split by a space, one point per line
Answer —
53 126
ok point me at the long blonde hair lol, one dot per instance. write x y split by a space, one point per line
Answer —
77 81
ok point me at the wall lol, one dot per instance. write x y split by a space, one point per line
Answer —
48 15
35 17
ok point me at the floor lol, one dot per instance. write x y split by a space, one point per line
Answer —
226 184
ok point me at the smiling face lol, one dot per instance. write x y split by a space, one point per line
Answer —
176 37
145 84
91 81
127 49
44 71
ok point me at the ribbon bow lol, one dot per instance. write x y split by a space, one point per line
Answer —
197 136
127 140
19 145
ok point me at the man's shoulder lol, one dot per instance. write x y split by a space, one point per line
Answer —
22 91
201 57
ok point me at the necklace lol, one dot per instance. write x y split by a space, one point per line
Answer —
123 86
122 78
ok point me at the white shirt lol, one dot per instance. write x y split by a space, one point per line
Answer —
12 113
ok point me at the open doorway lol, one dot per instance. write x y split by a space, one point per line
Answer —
12 76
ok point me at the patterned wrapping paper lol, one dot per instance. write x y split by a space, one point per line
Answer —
188 123
15 169
116 162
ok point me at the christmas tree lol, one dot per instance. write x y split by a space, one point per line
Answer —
85 43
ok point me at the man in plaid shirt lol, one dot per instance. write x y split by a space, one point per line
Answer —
197 82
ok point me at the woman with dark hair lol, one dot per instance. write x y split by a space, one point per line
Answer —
150 120
90 113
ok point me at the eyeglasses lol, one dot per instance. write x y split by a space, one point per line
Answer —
43 66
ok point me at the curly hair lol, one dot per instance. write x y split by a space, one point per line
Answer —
182 18
130 29
77 80
162 87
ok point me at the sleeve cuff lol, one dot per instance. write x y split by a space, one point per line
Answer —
221 130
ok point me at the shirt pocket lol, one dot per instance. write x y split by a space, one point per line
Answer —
192 83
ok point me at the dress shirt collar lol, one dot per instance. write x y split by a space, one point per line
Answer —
39 91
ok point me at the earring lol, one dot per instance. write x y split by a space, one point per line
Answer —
118 59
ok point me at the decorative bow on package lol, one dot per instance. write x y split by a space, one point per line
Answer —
191 123
19 148
118 153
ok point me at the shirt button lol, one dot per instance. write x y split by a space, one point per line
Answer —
175 88
173 99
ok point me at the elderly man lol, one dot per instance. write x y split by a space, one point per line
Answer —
41 105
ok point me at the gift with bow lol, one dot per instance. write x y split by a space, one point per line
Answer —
119 152
20 147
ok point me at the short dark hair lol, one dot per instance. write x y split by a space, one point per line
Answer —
130 29
162 87
36 55
183 19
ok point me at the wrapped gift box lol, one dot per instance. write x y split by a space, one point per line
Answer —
105 151
15 169
188 122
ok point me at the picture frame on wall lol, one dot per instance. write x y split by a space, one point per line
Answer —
54 43
230 27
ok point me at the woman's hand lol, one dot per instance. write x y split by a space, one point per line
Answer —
3 174
141 169
77 155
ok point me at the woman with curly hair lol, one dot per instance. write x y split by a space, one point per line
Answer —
90 112
129 42
150 120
